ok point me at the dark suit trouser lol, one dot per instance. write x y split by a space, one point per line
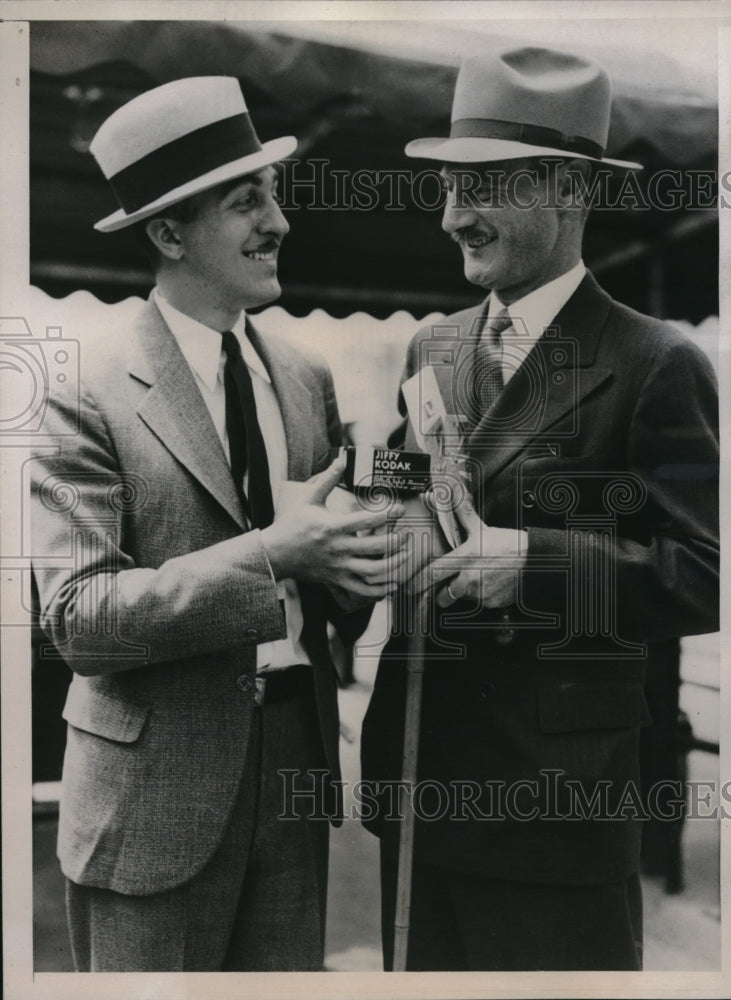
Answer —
257 905
469 921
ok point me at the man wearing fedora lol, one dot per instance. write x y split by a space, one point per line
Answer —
589 542
194 616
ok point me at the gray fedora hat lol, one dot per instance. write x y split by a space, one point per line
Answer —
518 101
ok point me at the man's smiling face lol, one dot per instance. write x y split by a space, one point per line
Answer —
508 234
230 247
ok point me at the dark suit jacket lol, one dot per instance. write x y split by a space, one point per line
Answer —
603 446
156 595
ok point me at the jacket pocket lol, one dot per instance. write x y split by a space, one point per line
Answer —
104 714
575 706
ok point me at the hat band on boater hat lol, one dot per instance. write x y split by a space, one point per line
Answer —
183 160
534 135
178 140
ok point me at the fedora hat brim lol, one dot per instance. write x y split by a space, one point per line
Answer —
477 149
271 152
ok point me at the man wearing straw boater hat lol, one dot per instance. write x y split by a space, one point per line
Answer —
590 543
193 615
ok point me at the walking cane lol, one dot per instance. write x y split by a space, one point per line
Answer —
412 720
412 723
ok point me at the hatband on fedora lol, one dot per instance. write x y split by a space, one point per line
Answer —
518 101
176 140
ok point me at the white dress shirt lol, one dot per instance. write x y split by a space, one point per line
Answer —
531 315
201 348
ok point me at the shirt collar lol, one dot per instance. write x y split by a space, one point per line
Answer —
201 345
538 309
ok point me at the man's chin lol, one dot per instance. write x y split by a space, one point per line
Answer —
477 275
264 295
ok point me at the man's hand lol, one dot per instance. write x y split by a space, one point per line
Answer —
484 568
309 542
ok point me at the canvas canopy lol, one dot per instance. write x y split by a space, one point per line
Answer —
354 94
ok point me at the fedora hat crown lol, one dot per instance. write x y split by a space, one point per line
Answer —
176 140
518 101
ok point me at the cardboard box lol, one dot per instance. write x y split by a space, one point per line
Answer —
404 472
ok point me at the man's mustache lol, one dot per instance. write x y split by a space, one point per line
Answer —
471 233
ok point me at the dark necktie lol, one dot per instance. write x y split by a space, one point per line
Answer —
245 442
488 363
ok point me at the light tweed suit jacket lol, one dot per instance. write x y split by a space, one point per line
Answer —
156 595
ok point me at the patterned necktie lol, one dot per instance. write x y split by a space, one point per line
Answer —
246 444
488 363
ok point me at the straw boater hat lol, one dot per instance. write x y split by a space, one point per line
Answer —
176 140
519 101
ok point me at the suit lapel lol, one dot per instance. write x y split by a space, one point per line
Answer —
295 402
175 412
492 445
558 373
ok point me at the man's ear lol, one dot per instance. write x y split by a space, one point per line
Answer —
165 235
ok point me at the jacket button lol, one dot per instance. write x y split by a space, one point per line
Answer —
487 690
244 682
528 499
505 636
251 634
